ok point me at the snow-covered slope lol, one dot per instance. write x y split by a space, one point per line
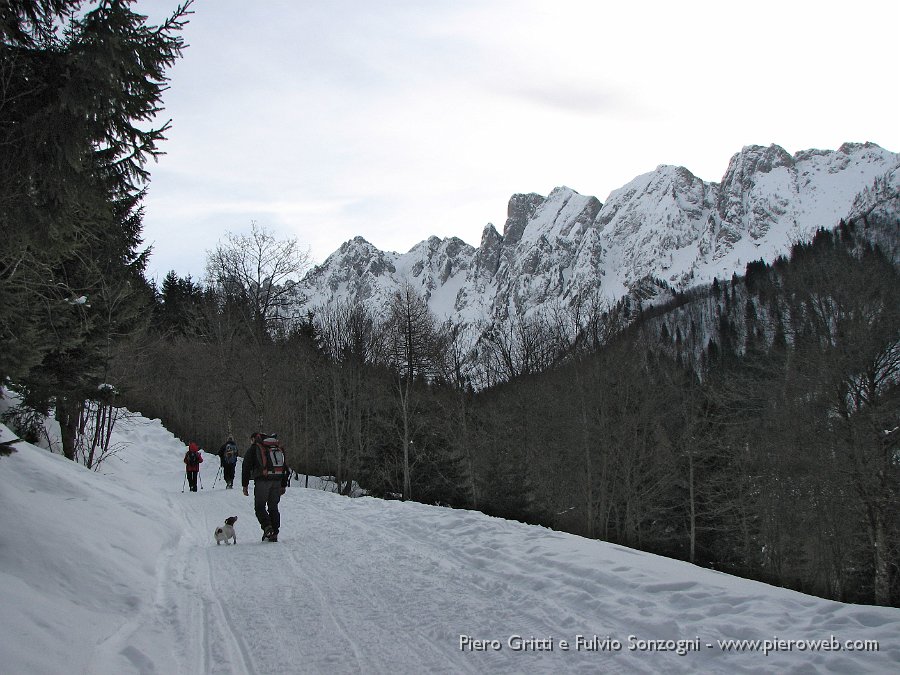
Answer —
118 572
667 224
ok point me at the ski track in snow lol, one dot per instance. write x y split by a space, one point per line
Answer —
362 586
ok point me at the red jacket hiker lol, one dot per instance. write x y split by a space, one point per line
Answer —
193 467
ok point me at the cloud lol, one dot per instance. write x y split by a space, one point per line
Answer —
400 119
576 97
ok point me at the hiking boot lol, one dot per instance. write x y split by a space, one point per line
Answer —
268 534
273 536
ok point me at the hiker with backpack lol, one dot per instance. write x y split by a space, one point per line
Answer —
192 460
265 464
228 455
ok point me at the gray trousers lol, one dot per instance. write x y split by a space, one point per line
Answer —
266 495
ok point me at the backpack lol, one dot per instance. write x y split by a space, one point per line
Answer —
272 458
231 454
192 457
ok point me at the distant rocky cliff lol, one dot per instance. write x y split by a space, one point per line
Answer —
667 225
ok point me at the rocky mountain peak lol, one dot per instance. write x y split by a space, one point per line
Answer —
663 226
759 159
852 148
519 211
489 236
487 258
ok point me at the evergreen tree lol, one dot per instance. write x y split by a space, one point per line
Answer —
179 305
77 93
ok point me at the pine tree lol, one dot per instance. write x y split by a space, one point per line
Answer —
78 91
179 306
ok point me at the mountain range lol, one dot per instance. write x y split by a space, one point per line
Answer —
666 229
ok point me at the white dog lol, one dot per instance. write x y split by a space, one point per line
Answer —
226 531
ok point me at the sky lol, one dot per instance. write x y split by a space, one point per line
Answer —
131 580
397 120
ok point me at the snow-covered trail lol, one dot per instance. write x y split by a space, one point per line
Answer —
365 586
345 590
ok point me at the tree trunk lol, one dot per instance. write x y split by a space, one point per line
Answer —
693 505
68 413
588 472
464 418
882 560
336 424
99 420
403 388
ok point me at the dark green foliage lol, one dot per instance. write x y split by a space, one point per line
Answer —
754 271
179 311
30 22
77 90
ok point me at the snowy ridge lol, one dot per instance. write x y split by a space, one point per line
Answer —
125 577
667 224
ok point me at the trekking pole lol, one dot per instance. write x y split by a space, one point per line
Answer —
219 473
183 482
200 479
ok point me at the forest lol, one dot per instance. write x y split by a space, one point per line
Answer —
750 426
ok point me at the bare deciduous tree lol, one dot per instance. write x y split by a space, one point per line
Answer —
352 342
254 276
414 352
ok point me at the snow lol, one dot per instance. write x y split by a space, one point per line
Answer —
443 299
117 571
555 218
665 224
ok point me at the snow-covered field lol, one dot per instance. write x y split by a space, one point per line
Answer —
118 572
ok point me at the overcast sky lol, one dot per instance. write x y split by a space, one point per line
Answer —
401 119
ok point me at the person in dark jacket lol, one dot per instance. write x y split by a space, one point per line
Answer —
192 461
228 455
265 464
